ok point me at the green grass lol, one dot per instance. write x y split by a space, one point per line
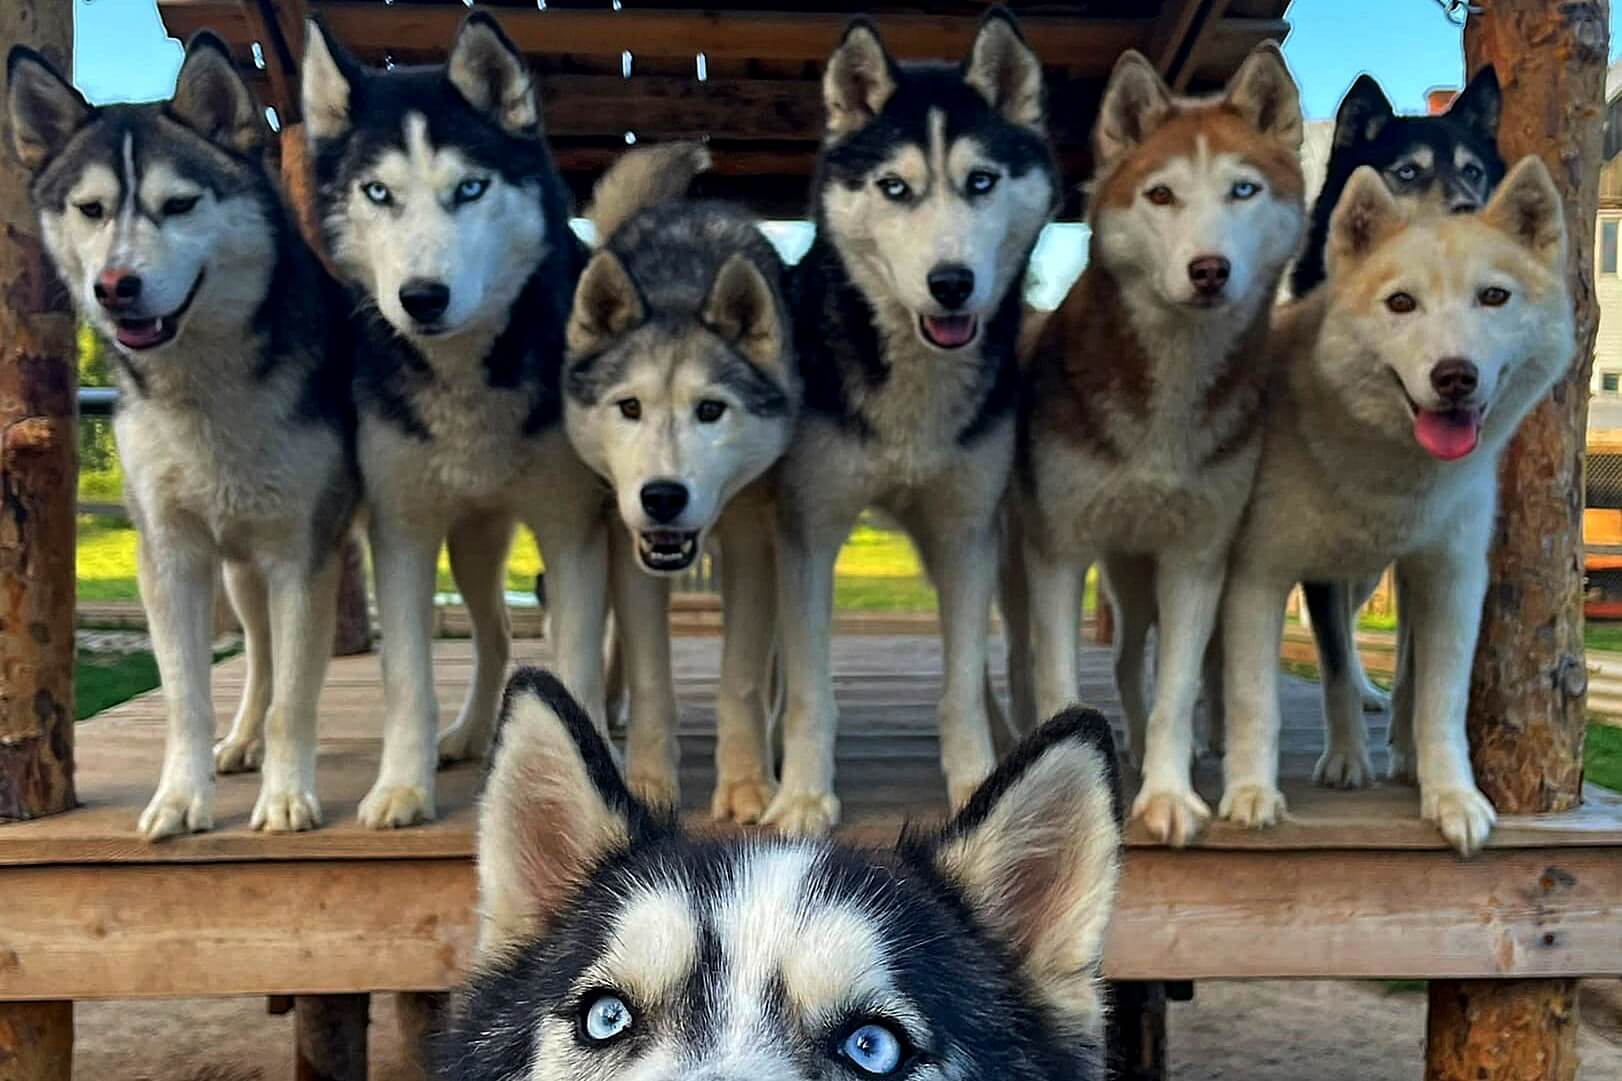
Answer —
101 680
1602 756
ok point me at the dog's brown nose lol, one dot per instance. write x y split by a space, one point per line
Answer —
1209 273
1455 378
117 288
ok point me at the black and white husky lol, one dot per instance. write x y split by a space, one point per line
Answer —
233 426
442 209
931 188
613 946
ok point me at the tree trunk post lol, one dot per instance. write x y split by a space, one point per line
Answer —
38 469
1528 686
420 1016
1135 1042
330 1031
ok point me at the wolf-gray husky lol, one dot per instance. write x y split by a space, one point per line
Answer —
442 209
1397 385
613 946
682 391
931 188
233 425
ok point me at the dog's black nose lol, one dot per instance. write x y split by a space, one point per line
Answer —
1455 378
1465 206
425 300
951 284
117 288
1209 273
664 500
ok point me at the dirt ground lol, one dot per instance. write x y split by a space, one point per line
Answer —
1263 1031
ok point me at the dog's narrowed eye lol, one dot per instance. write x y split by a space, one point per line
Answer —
1401 303
709 410
1493 297
1160 195
1408 172
894 188
1244 189
604 1019
378 192
874 1050
91 209
180 204
981 181
630 408
471 188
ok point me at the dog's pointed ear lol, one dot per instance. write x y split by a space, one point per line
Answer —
43 109
1265 95
1035 853
213 100
1135 102
1363 112
606 305
327 84
1006 71
490 73
743 309
1366 214
1479 104
553 808
859 80
1528 207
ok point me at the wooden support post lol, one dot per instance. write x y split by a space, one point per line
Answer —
420 1015
1135 1042
331 1035
1528 686
38 467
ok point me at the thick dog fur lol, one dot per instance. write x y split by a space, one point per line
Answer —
681 392
443 210
1346 484
1140 428
233 425
613 946
932 186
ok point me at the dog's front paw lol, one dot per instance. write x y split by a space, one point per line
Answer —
1403 766
238 755
391 806
1340 768
1253 806
1173 816
741 799
285 810
657 787
803 813
178 808
463 741
1462 814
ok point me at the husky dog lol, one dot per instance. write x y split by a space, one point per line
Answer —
233 424
443 211
1397 385
611 945
931 188
681 392
1141 422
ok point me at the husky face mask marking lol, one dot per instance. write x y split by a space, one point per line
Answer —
429 180
138 201
936 181
613 947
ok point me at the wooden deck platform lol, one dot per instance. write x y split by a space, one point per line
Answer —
1354 885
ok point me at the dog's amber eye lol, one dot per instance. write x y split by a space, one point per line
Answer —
1493 297
630 408
1160 195
894 187
180 204
709 410
1401 303
91 210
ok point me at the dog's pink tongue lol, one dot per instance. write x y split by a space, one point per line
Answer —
1448 435
949 331
140 333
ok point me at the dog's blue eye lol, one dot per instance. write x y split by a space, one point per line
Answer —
709 410
469 190
607 1017
873 1049
981 182
1244 189
894 187
1407 173
377 192
1472 172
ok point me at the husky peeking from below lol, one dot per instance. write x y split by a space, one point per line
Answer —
681 392
1397 386
931 188
613 946
1142 418
442 209
233 426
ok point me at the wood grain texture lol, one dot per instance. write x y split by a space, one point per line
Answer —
36 1041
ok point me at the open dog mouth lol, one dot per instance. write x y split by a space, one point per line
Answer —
1446 434
949 331
666 551
149 333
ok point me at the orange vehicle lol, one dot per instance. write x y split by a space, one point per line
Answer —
1602 528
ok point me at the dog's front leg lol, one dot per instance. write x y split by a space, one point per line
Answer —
1443 591
243 746
574 543
1054 587
176 575
1252 629
478 546
744 784
1129 583
403 557
652 754
303 615
1404 764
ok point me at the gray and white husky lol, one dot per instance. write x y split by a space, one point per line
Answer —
932 186
1396 386
233 426
443 211
613 946
682 392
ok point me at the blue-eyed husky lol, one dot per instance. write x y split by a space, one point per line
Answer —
234 428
